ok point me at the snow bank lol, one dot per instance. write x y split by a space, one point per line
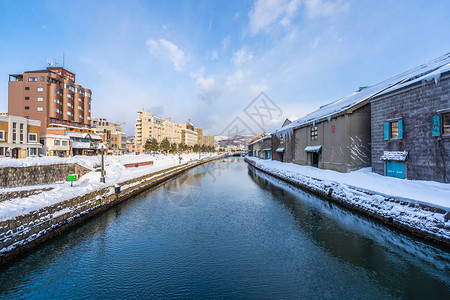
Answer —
375 196
432 193
115 173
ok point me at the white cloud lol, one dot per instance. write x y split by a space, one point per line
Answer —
236 16
267 13
317 8
214 55
168 50
209 89
242 56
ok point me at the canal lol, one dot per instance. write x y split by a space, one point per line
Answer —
225 230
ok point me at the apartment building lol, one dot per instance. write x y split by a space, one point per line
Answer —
208 140
188 135
50 96
199 136
148 127
19 137
112 134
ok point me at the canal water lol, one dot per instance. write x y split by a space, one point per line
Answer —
225 230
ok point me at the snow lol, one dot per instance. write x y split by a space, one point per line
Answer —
280 150
432 193
375 195
115 173
425 72
394 155
313 148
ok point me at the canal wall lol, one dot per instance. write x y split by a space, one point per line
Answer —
25 232
45 174
417 219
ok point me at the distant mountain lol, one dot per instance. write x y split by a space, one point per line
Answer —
233 141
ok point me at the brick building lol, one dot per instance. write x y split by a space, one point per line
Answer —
50 96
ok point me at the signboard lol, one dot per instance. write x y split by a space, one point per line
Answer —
72 177
64 73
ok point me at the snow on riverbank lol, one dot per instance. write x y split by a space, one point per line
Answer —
115 173
432 193
392 209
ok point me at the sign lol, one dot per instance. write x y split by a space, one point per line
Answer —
333 128
72 177
64 73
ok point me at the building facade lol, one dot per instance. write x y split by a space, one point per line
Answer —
411 129
50 96
199 136
188 135
19 137
208 140
112 135
261 148
148 127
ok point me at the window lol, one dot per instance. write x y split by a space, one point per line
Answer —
69 104
440 124
57 142
314 133
27 98
27 107
40 108
21 137
56 110
42 78
2 151
446 123
32 151
64 143
32 137
27 88
31 79
40 99
80 108
56 91
69 96
40 89
69 113
53 120
393 130
2 135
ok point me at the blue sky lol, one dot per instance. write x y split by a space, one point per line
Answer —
207 60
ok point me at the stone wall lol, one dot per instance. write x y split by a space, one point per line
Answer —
21 176
428 156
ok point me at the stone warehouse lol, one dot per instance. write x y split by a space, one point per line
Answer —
411 129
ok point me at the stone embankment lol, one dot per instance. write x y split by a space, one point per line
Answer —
22 176
27 231
423 221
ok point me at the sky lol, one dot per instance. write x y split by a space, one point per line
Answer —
209 61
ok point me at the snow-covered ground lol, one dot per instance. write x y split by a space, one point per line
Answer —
432 193
115 173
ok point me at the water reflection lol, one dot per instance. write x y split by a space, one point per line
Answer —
362 242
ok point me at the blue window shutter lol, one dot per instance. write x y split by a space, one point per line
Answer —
435 125
386 131
400 129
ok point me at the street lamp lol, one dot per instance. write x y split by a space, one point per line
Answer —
102 174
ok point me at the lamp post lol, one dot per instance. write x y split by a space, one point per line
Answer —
102 147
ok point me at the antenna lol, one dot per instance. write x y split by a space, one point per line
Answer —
63 59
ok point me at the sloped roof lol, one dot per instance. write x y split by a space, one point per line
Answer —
422 72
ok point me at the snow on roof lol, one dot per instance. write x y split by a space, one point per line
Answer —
422 72
394 155
313 148
281 149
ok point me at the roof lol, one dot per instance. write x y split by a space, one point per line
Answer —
313 148
422 72
260 139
